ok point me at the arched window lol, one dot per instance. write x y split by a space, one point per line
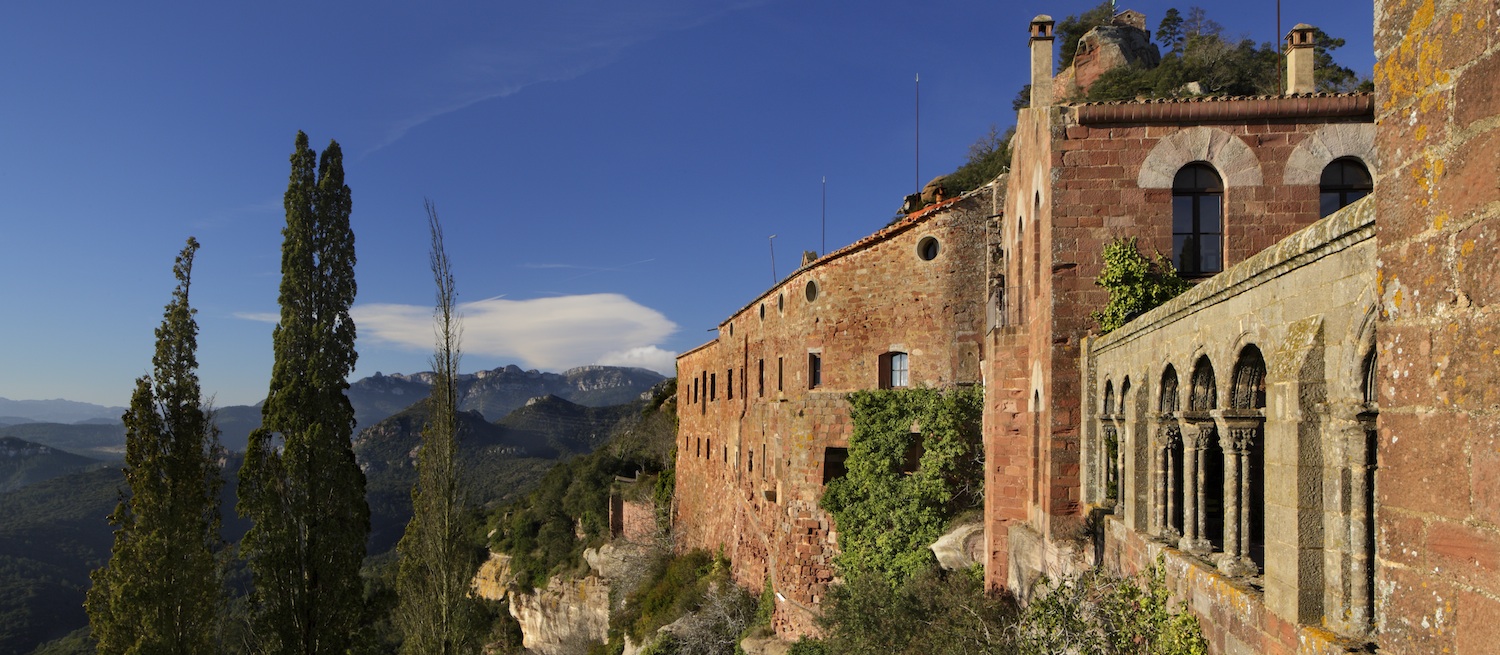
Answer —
1344 181
1198 220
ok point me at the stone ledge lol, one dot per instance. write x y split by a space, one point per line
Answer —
1340 231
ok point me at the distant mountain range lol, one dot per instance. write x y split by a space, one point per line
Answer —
54 411
23 462
53 532
95 431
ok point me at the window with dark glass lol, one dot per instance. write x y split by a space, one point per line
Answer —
814 370
1198 221
1344 181
893 370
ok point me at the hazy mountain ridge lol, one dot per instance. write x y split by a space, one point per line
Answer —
57 411
24 462
54 532
99 441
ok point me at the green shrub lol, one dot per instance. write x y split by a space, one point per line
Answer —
888 515
1136 285
808 646
1101 613
935 612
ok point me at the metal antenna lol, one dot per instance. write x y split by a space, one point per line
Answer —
1281 48
772 240
918 171
825 214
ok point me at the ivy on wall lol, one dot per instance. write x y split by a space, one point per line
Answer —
915 461
1136 285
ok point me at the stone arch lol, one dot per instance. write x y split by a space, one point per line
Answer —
1203 393
1235 161
1330 142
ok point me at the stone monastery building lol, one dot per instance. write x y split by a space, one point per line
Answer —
1310 437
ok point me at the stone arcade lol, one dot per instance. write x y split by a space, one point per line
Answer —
1308 437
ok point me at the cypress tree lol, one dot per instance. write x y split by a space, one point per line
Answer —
436 614
161 590
300 484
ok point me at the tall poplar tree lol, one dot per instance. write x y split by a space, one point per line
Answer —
436 614
161 590
300 484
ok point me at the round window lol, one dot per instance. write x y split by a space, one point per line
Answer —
927 248
812 290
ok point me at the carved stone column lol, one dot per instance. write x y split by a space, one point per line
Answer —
1241 432
1195 439
1169 440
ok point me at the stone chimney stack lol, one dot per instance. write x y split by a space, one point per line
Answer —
1041 61
1299 59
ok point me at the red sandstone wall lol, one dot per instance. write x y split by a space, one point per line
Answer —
1075 185
1439 211
750 467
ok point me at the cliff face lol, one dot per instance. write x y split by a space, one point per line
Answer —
568 614
565 615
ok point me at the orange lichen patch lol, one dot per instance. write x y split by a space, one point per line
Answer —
1439 221
1467 249
1413 67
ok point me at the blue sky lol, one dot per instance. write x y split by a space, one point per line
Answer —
608 173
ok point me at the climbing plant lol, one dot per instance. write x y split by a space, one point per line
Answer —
1136 285
914 462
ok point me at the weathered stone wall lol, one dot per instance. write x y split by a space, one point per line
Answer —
1305 309
754 430
1439 382
1081 176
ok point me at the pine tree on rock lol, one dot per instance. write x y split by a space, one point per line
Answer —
161 590
436 613
300 485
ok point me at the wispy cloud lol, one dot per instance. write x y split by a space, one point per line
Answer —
555 48
259 317
548 333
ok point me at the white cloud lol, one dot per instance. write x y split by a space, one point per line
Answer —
546 333
261 317
656 359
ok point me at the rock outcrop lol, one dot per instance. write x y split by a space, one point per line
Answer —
961 548
1104 49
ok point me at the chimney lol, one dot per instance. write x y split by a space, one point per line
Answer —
1041 61
1299 59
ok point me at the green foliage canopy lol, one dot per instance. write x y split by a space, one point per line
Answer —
300 484
161 591
887 516
1136 285
988 158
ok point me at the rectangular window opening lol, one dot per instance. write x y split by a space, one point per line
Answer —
814 370
833 464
